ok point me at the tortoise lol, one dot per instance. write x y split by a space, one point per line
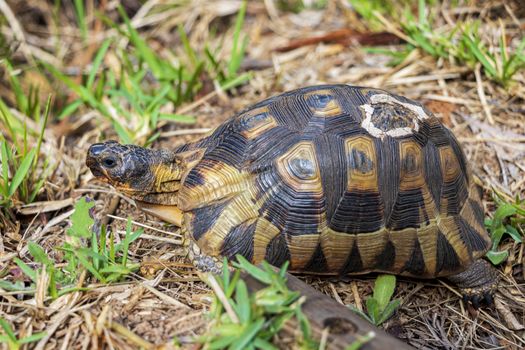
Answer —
335 179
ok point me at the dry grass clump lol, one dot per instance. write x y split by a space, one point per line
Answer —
108 83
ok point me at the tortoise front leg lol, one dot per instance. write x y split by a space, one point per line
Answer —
477 283
202 262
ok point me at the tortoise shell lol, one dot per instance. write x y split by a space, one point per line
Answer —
336 179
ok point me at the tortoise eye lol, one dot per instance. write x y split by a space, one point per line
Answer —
109 162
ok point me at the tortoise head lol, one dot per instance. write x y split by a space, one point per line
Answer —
146 175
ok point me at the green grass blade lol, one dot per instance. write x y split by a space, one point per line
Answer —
8 330
250 332
243 306
69 109
81 18
26 269
143 49
475 48
32 338
253 270
42 130
97 62
187 47
22 171
21 98
5 168
89 266
237 54
241 79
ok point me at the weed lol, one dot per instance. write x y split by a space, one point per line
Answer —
509 219
462 43
20 143
83 249
243 320
379 307
11 339
81 17
499 65
135 100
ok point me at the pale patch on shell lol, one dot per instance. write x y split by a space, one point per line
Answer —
397 132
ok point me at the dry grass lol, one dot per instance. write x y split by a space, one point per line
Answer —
166 299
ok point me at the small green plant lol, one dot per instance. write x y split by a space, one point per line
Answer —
368 9
84 249
20 143
508 219
379 307
244 320
134 98
462 43
106 264
12 340
499 65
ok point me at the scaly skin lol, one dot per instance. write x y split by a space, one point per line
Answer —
477 283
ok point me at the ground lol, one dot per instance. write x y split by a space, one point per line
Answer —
288 47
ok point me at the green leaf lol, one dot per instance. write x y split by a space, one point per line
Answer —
26 269
243 305
22 171
5 168
14 287
39 254
179 118
122 270
222 342
384 289
504 211
513 233
249 333
496 257
8 330
388 311
70 109
264 344
360 313
89 266
97 62
32 338
143 49
254 271
237 53
372 308
81 18
81 221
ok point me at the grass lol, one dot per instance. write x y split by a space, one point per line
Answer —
243 320
85 248
13 342
23 168
464 43
134 103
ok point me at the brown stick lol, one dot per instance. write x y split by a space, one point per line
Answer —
345 327
344 37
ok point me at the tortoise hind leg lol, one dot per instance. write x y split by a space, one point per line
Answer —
477 282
